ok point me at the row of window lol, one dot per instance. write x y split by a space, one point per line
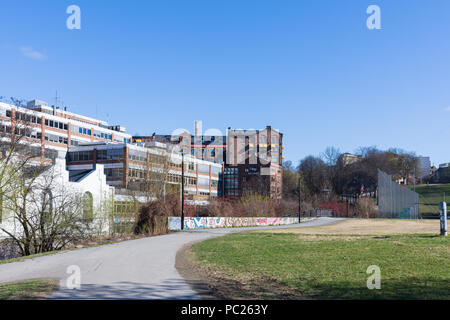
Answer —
136 173
80 130
54 138
231 184
124 207
25 117
110 154
142 157
80 156
23 132
174 178
158 159
64 126
137 156
102 135
252 171
175 165
231 171
114 172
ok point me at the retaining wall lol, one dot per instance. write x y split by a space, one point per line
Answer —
226 222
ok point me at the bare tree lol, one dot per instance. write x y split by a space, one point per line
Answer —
331 155
46 214
290 181
40 213
313 172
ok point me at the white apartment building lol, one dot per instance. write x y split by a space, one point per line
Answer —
54 129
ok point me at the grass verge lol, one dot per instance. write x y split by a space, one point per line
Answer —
28 290
257 265
90 243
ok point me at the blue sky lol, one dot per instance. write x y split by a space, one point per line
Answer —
310 68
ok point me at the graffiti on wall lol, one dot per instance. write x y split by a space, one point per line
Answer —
229 222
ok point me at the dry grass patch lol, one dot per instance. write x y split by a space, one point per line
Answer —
28 290
368 227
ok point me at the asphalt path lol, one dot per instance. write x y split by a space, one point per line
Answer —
135 269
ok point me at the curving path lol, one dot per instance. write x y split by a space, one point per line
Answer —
135 269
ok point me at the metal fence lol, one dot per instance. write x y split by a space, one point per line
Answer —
395 201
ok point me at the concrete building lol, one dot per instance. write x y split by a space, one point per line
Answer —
138 166
347 158
55 130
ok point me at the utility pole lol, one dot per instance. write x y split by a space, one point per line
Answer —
414 181
182 191
299 198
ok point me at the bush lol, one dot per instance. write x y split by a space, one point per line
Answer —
256 205
248 206
152 219
366 208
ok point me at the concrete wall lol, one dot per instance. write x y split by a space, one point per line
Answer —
226 222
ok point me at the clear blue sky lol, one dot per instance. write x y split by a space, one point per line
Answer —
310 68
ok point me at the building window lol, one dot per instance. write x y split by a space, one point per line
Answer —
114 173
114 154
101 155
55 138
80 156
56 124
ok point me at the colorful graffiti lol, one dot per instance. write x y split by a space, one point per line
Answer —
228 222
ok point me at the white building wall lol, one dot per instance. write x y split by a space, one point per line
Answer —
95 183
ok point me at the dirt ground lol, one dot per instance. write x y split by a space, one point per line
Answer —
368 227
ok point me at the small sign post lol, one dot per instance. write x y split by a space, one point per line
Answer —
182 191
443 210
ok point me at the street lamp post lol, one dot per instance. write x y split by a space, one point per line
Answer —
182 191
299 198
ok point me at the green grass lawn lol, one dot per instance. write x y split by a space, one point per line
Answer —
28 290
430 196
329 266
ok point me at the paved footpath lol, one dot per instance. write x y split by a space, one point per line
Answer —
134 269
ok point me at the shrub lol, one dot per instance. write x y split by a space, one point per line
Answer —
152 218
366 208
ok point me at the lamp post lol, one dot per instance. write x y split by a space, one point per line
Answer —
299 198
182 191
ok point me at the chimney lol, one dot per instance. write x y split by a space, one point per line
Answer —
197 128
